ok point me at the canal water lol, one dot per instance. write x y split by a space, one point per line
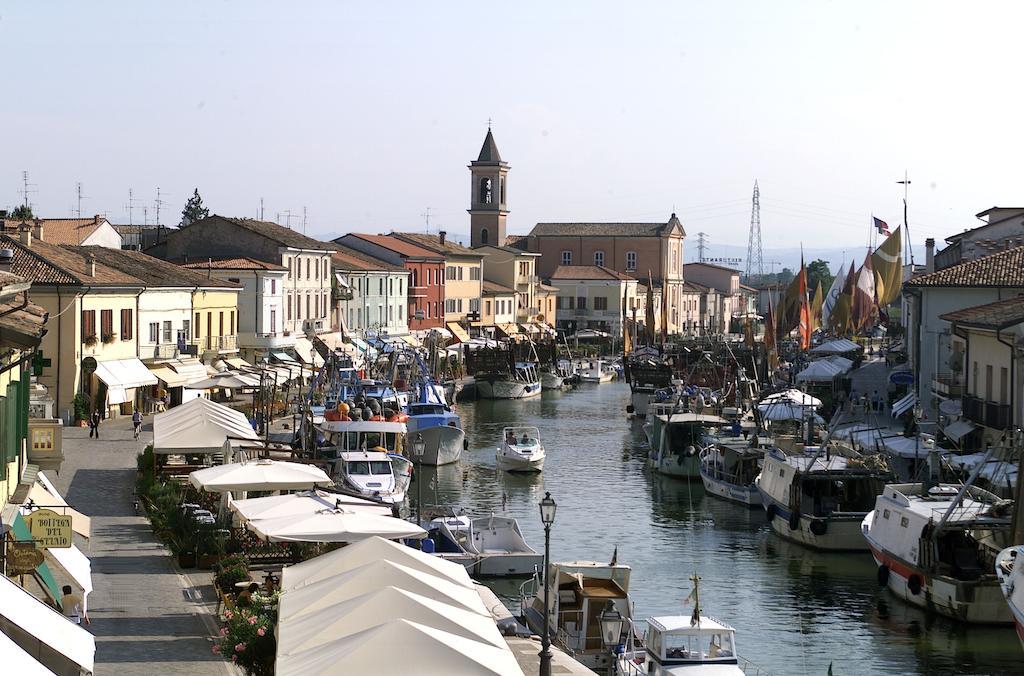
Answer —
795 611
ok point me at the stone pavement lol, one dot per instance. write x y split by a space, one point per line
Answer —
148 617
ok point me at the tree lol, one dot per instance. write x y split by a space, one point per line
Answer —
817 271
22 212
194 210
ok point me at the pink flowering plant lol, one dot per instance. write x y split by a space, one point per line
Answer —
247 639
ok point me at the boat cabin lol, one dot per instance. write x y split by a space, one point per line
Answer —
676 640
526 437
341 436
582 593
366 466
825 486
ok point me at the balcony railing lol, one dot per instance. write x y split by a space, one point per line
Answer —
165 351
217 343
948 384
988 413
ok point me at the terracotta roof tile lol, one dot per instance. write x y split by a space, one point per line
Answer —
272 231
1005 268
997 315
492 289
350 259
233 264
45 263
152 271
400 247
59 230
433 243
587 272
604 229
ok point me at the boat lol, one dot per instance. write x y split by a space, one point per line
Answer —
374 474
520 450
936 546
522 382
1010 572
685 645
558 376
646 374
677 440
819 500
367 456
729 470
578 593
596 371
488 546
441 430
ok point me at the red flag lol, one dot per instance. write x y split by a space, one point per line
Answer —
881 226
805 310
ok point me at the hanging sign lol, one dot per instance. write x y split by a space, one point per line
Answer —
49 529
22 558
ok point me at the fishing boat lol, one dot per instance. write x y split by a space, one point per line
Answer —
578 593
367 456
729 472
441 430
489 546
596 371
522 382
818 499
936 546
677 440
520 450
685 645
646 374
1010 571
550 379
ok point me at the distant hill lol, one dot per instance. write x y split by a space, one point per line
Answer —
788 257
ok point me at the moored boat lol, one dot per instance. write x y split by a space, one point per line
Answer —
489 546
596 371
522 382
677 440
441 430
1010 572
520 450
729 472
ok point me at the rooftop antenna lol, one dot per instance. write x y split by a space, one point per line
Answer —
287 217
131 206
426 214
303 220
145 216
261 208
80 197
755 260
26 188
906 227
159 203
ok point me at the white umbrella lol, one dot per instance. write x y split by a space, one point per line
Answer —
334 525
301 504
259 475
788 411
791 396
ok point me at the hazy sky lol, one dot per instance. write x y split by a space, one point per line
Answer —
368 113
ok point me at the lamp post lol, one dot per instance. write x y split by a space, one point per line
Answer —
547 517
418 446
611 630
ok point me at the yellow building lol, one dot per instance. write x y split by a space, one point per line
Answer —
215 322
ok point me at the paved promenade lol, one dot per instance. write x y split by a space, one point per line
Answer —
147 617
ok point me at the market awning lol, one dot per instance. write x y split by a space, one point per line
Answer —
124 374
45 626
958 429
167 376
460 333
508 329
903 405
283 357
43 494
304 348
238 363
199 426
192 369
411 341
18 661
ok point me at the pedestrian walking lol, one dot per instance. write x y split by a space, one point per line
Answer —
137 422
72 606
94 425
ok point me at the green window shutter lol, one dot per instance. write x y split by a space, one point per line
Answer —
13 428
23 395
3 435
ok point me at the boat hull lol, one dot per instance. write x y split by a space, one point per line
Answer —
507 389
842 534
680 466
442 444
748 496
974 603
550 381
641 402
510 464
507 565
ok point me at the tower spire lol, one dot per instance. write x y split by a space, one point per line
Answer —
488 208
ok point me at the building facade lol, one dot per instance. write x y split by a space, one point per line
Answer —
592 297
463 275
372 297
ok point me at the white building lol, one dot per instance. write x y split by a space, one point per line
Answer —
93 231
370 294
591 297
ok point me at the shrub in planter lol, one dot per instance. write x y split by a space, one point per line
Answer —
91 340
81 406
247 639
227 578
109 338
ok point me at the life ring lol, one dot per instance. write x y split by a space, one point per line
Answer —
770 511
818 527
794 521
690 451
403 417
914 584
883 575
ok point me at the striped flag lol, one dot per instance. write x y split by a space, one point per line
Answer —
864 296
881 226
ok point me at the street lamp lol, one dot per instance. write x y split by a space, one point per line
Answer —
418 446
547 517
611 630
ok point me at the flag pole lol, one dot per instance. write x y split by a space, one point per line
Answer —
906 226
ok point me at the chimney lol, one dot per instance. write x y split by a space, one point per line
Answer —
38 234
6 258
441 234
3 214
25 234
90 265
929 255
96 219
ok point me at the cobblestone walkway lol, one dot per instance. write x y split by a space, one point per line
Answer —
147 617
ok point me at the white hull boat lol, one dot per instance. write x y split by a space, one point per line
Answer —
729 473
442 445
676 441
1010 571
522 384
491 546
551 381
520 450
596 372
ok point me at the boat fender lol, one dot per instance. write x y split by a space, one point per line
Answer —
690 452
794 521
883 575
770 511
818 527
914 584
630 408
403 417
392 418
465 444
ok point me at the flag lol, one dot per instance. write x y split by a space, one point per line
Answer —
788 311
649 329
887 263
803 308
664 310
832 296
881 226
816 304
627 343
863 304
769 336
841 314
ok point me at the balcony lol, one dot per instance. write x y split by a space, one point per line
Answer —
948 384
340 293
988 413
217 343
164 351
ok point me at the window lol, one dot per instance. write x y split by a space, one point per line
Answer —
186 328
154 332
474 305
400 311
273 287
231 326
209 324
449 305
308 315
273 320
220 324
415 278
128 324
290 265
391 311
988 380
449 272
298 306
1003 391
401 282
558 303
391 286
380 286
904 521
428 310
630 261
487 307
598 258
316 306
474 274
571 302
107 323
566 258
307 267
198 324
501 191
581 302
327 272
288 309
486 190
885 513
601 303
436 313
484 236
167 332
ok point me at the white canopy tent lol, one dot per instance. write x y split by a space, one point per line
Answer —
401 647
366 552
819 372
792 396
75 565
306 502
333 525
837 346
121 375
59 641
199 426
228 380
380 606
259 475
376 575
777 411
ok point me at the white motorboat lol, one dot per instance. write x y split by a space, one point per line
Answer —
596 371
552 379
374 474
520 450
819 500
935 546
1010 571
367 456
522 383
489 546
578 593
729 470
677 440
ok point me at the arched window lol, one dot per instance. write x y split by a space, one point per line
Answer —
598 257
484 235
486 190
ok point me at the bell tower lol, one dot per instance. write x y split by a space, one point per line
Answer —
488 193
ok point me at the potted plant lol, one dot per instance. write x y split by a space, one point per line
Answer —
228 577
81 407
109 338
91 340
